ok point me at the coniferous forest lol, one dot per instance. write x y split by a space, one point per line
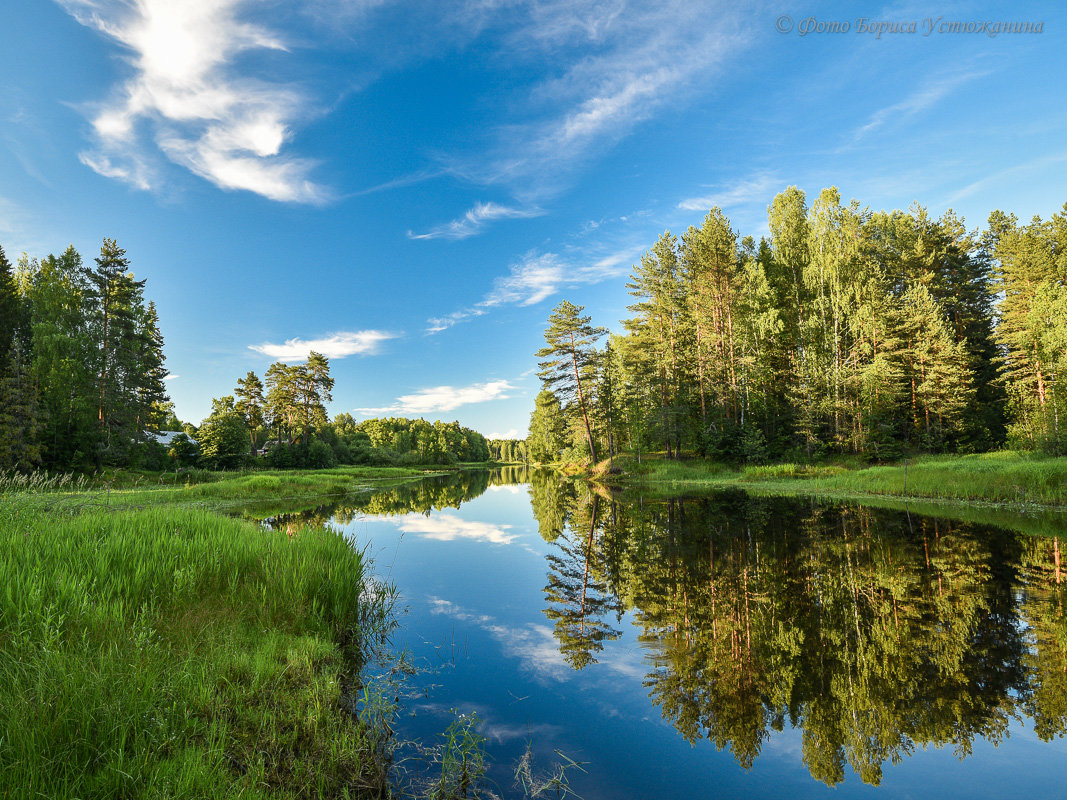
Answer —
843 331
81 362
82 387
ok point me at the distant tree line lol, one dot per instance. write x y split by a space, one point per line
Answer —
82 387
843 331
508 451
81 363
282 422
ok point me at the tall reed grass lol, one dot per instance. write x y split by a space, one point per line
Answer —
176 653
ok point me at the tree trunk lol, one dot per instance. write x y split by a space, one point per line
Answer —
581 402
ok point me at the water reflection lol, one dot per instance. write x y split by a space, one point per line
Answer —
873 632
417 496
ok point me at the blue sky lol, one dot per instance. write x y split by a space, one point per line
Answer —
410 187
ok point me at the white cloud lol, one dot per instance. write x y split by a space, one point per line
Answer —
511 433
438 324
615 64
187 101
1010 175
918 101
538 276
442 398
447 527
338 345
475 220
758 189
172 377
533 644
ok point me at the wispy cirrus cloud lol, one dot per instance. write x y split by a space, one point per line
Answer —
337 345
537 276
757 189
1011 174
438 324
475 220
925 97
615 63
188 101
438 399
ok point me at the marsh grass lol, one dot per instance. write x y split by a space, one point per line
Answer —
222 492
172 652
1014 479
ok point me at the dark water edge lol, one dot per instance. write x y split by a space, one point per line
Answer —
721 645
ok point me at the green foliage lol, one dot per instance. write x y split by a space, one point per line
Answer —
180 654
223 437
183 451
463 763
249 405
568 358
427 443
548 429
1020 479
88 377
846 332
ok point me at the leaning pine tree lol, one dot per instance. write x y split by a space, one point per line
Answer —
570 352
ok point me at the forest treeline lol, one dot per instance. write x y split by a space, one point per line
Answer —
81 362
82 386
282 422
845 331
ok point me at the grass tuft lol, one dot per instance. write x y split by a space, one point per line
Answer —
172 652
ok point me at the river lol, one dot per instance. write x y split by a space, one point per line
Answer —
721 645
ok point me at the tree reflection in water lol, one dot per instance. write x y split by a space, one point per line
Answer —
872 631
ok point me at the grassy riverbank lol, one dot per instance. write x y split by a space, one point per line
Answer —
219 491
1011 479
152 648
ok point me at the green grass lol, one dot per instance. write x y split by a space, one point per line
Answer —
219 491
173 652
1008 478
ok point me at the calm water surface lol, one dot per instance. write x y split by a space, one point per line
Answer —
724 645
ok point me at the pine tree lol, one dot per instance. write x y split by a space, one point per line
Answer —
64 358
314 388
10 308
280 403
249 405
19 410
662 324
711 272
149 371
116 299
570 351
